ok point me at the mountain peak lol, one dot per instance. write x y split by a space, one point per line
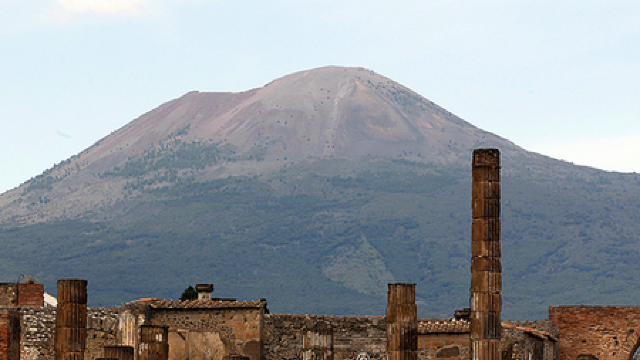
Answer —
329 112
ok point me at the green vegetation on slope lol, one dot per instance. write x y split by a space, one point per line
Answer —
325 236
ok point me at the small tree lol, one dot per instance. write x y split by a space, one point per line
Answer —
189 294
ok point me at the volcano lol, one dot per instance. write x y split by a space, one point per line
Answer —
314 191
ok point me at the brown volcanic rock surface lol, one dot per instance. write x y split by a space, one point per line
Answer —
322 113
344 112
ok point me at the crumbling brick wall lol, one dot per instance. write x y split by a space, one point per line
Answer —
441 339
524 340
102 328
601 332
9 334
30 295
21 295
518 344
443 346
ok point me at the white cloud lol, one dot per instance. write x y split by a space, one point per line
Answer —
64 9
614 154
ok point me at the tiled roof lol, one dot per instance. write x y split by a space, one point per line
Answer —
146 300
204 304
463 326
443 326
532 331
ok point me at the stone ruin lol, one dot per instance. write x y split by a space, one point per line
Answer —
217 329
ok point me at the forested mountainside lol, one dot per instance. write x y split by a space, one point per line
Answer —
314 191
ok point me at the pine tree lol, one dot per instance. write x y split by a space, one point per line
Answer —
189 294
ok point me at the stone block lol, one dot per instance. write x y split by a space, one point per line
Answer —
402 336
486 281
119 352
153 351
71 315
486 208
486 248
486 263
482 301
486 157
72 291
154 333
491 174
401 293
70 339
402 355
486 325
205 345
485 190
485 349
401 312
485 229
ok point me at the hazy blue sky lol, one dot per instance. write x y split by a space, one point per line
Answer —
557 77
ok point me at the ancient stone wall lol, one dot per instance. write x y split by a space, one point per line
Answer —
443 346
601 332
8 294
525 343
102 329
524 340
352 335
38 328
211 333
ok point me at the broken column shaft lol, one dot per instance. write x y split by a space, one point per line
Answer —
71 320
486 271
154 343
402 322
317 342
120 352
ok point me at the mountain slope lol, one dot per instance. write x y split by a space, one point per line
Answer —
314 191
344 113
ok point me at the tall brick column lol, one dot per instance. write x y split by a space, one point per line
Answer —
154 342
71 320
402 322
486 271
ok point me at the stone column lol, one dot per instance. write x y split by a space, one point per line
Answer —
127 327
71 320
402 322
486 271
119 352
317 343
154 343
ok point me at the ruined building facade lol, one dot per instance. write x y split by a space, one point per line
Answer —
213 329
